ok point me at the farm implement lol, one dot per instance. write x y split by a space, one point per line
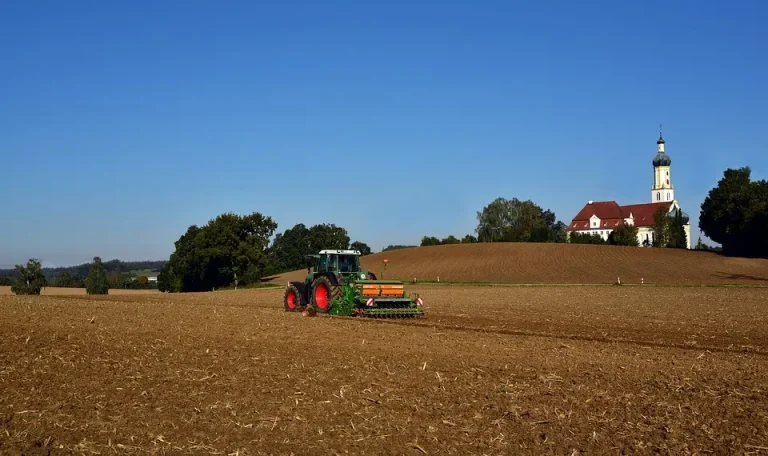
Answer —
336 285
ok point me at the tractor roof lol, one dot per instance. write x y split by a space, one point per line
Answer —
340 252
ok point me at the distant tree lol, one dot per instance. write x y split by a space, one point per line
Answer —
451 239
210 256
142 281
586 238
397 247
660 228
6 281
97 283
429 240
677 238
30 279
469 239
115 279
327 236
362 247
624 235
735 214
505 220
64 279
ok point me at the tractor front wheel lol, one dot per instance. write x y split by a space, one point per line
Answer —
323 294
293 299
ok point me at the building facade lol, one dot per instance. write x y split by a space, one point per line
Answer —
602 217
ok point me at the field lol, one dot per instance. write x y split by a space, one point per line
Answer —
561 263
490 370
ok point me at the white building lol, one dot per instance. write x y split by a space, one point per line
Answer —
602 217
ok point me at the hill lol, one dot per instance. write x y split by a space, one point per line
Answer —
559 263
81 270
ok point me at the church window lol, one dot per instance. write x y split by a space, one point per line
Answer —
669 196
658 196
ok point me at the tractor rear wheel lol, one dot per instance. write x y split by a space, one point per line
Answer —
323 294
293 299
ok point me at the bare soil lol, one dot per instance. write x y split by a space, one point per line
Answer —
517 262
489 370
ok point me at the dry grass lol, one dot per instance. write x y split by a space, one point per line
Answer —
490 371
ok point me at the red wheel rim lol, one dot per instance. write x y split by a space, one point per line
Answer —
321 296
291 299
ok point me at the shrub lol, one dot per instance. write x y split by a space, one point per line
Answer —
29 280
96 283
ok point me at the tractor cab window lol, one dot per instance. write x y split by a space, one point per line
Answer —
322 264
333 262
349 263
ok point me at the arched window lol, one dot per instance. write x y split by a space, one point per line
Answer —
669 196
658 196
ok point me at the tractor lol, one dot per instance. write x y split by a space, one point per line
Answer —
336 285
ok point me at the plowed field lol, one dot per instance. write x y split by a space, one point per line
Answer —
490 370
561 263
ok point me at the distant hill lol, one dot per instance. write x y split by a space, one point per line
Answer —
81 270
559 263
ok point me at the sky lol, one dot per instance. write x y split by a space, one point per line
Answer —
123 123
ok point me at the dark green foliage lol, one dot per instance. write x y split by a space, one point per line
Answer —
80 271
30 279
469 239
676 237
397 247
586 238
362 247
429 240
660 228
505 220
209 257
289 249
97 283
624 235
6 281
735 214
450 240
63 279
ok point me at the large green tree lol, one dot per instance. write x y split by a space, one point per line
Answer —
513 220
361 247
429 240
97 282
660 228
289 249
677 238
624 235
30 280
212 256
735 214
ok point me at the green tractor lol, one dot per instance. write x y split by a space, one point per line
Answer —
336 285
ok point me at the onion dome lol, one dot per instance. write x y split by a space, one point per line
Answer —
662 159
671 216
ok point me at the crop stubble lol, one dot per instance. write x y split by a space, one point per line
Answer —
491 370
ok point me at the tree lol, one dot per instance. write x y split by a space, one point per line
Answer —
209 257
397 247
63 279
142 281
469 239
677 238
97 283
586 238
327 236
115 279
450 240
624 235
735 214
660 228
30 280
505 220
429 240
362 247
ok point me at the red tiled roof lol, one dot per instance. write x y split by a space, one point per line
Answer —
643 213
612 215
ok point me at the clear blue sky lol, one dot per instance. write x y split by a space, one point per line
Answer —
122 123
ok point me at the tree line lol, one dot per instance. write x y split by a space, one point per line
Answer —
30 280
233 249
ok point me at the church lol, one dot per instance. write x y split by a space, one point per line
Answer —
602 217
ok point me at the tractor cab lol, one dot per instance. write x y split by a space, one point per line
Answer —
344 263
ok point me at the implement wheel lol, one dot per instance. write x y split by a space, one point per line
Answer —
323 293
293 299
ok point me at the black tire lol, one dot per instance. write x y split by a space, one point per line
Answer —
322 294
293 298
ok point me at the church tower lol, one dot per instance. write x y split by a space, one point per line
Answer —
662 190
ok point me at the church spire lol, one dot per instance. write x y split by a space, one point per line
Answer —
661 139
